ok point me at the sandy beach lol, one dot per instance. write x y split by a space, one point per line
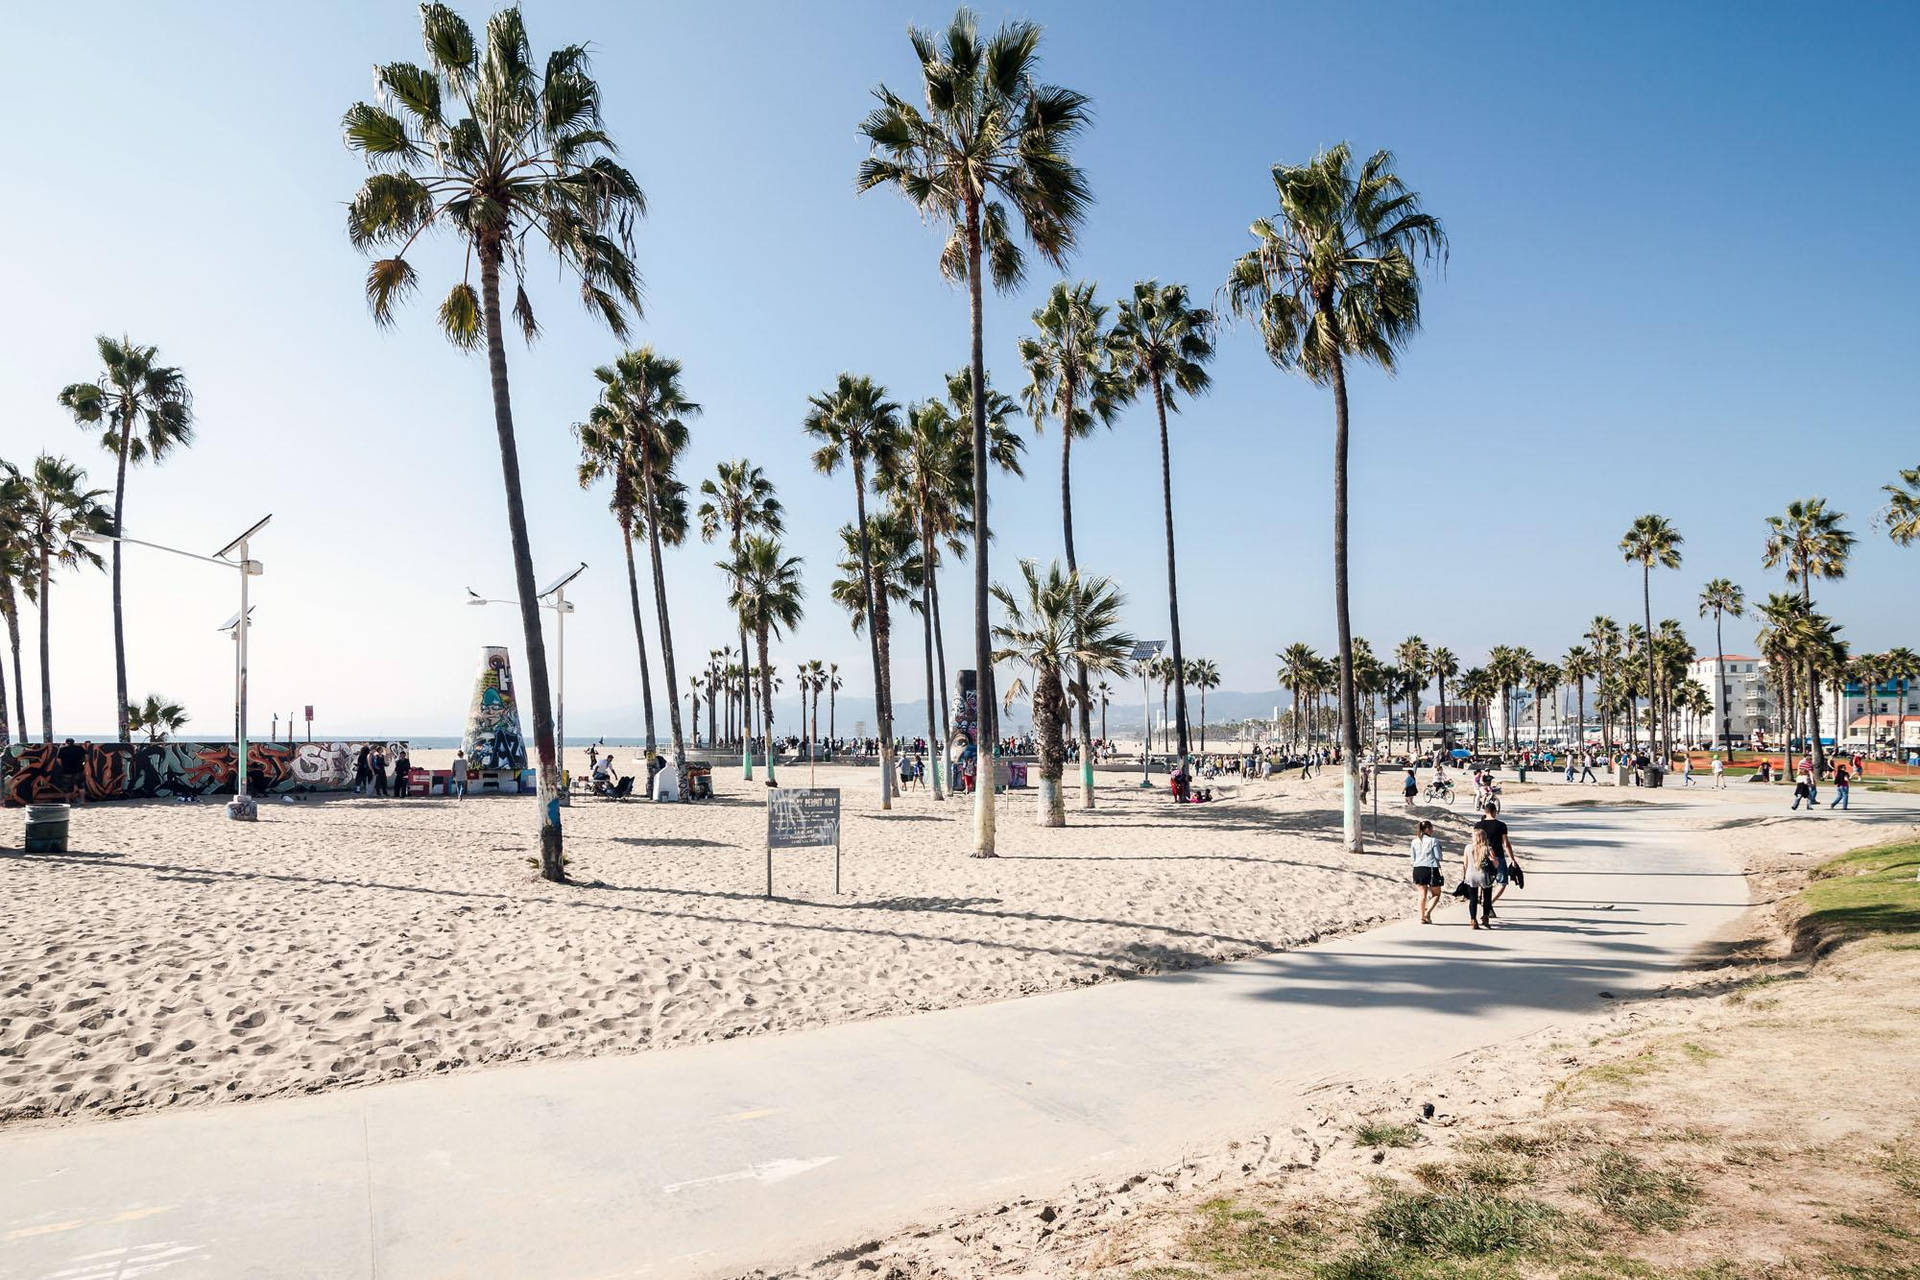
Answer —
173 957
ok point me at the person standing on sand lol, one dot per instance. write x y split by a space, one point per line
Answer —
1426 870
1499 848
402 767
1410 788
458 786
377 765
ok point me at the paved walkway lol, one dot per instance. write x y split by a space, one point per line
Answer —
717 1158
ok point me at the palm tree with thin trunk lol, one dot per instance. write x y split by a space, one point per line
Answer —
740 503
1104 692
1054 622
145 411
1603 633
1070 376
881 570
1812 543
1578 666
607 451
991 136
1444 666
16 579
1651 540
857 425
1297 663
1414 658
509 155
1477 687
1203 674
1545 678
767 599
1333 277
61 514
1161 345
1722 597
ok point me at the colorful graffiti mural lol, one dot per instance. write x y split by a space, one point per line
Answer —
149 770
492 739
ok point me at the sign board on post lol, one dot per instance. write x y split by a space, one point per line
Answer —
800 817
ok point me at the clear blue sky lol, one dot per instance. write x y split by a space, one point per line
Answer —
1683 280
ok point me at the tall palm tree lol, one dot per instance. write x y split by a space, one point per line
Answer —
1203 674
1721 597
740 503
856 424
1812 543
608 451
1902 665
1414 658
1902 514
503 152
1333 277
881 570
990 133
1050 624
60 509
1603 633
1651 540
145 411
1545 678
1444 666
1578 665
834 685
1297 663
1104 692
643 404
156 716
16 579
766 597
1477 687
1070 376
1162 344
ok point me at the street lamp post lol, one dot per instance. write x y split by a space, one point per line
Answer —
232 556
560 609
1145 651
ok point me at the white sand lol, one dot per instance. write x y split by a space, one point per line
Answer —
175 956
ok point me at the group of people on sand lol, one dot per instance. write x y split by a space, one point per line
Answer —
376 773
1488 866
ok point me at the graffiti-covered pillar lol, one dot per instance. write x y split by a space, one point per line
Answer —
492 739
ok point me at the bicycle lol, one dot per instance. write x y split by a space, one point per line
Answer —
1439 793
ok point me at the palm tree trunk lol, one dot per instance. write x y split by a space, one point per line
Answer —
666 638
639 633
940 660
552 861
883 635
1349 708
766 698
713 714
1083 717
1048 704
1173 589
989 735
746 685
882 712
1719 684
19 684
45 609
926 629
1646 656
119 616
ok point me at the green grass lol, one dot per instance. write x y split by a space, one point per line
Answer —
1629 1190
1862 893
1386 1135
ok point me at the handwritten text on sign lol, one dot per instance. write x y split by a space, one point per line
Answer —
800 816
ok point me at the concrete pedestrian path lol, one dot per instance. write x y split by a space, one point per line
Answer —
717 1158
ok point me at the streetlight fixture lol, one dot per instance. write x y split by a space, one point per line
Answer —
232 556
1145 651
561 608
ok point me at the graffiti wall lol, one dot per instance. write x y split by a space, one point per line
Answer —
492 739
146 770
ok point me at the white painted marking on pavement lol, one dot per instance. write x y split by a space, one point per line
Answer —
769 1171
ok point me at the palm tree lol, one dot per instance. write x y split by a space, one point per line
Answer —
145 411
643 406
880 570
1721 597
1444 667
1334 277
608 451
1071 376
991 132
856 424
16 578
156 717
1651 540
502 152
1902 665
1203 674
1902 514
1811 542
1297 664
1414 658
60 510
766 596
1055 622
1545 678
1477 687
1161 343
1578 665
1603 633
740 501
1105 693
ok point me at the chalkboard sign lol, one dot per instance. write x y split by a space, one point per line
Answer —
798 817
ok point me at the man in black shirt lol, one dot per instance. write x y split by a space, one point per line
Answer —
70 768
1501 843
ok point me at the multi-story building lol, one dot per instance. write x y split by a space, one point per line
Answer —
1747 707
1890 714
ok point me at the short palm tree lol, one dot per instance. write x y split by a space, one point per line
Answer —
145 411
1578 666
767 599
740 503
1902 515
1203 674
60 513
1071 377
1052 622
1811 542
642 403
157 717
1334 278
1161 345
1723 598
1414 657
506 154
857 425
991 136
1651 540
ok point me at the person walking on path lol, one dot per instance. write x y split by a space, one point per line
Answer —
1686 770
1426 870
1476 873
1499 849
1586 766
1719 773
1803 790
1842 784
458 787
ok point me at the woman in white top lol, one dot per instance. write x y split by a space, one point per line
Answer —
1426 870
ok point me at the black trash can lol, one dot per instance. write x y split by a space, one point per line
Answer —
47 828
